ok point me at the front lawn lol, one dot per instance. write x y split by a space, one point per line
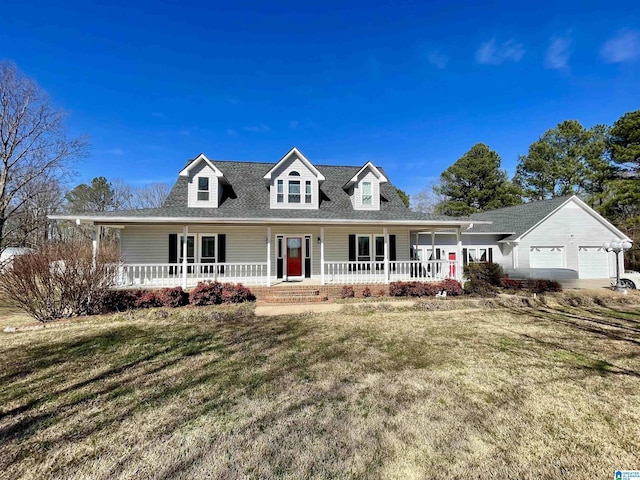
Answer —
490 391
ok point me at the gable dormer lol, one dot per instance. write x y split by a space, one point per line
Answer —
364 188
204 183
294 182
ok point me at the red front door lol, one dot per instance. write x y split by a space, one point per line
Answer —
452 266
294 257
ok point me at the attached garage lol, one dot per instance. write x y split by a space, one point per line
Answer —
546 257
593 262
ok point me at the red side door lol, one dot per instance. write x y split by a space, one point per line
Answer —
294 257
452 266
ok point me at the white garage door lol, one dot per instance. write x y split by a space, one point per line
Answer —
546 257
593 262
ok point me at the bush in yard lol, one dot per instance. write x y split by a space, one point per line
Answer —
59 280
542 286
215 293
484 278
424 289
398 289
236 293
347 292
511 284
147 299
206 293
173 297
114 301
366 293
451 286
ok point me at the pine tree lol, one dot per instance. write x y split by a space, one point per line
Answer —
475 183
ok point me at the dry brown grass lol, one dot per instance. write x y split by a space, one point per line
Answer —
496 391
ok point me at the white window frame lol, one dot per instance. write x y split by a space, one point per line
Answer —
280 191
307 191
197 247
203 192
358 237
367 198
292 183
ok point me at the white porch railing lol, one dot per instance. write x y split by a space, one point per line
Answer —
173 275
374 272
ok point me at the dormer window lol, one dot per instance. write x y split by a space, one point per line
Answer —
203 189
367 197
294 191
294 174
307 191
280 192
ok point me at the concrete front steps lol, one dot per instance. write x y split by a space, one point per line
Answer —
296 294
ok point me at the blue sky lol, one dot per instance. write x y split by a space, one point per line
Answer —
408 85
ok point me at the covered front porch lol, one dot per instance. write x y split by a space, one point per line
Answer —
277 254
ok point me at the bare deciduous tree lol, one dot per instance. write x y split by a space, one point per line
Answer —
425 200
34 145
151 196
127 197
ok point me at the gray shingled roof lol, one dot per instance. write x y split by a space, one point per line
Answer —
246 196
518 219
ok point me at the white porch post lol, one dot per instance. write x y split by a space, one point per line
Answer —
268 256
386 254
433 244
321 255
459 262
185 232
95 245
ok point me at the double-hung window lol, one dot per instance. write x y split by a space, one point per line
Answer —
364 248
208 249
475 255
294 191
367 197
307 191
203 189
280 192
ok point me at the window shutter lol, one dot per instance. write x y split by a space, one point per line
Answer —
392 248
490 255
392 251
465 258
173 248
222 248
352 250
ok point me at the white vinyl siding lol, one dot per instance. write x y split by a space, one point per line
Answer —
150 244
569 227
593 262
195 192
294 195
361 192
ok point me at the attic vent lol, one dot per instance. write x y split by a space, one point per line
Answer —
294 174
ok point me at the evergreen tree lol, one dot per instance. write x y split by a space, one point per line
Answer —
475 183
555 164
96 197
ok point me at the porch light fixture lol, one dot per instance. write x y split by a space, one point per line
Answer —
617 247
319 240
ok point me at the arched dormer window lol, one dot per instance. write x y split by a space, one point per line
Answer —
294 174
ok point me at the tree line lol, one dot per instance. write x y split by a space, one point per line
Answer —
600 164
37 159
